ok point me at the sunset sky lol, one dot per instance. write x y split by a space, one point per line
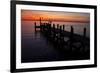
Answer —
34 15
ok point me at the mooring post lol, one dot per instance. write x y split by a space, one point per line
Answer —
53 26
63 29
41 28
40 24
84 36
60 38
57 26
48 26
50 29
71 37
84 33
47 30
53 32
60 34
35 26
57 34
40 21
72 31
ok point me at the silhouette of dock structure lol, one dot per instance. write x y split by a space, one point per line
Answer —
62 39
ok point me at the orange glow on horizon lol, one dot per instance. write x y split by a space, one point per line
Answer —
29 15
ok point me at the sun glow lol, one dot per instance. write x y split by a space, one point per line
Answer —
31 15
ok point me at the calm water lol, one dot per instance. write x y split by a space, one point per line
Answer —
35 48
28 27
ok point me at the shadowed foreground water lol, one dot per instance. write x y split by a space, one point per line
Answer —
36 48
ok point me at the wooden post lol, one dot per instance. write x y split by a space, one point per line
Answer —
53 26
63 27
40 21
84 33
60 34
57 26
43 27
53 32
57 34
50 29
71 37
40 24
83 41
60 31
72 31
35 26
47 30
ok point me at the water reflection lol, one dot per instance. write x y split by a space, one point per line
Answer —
36 48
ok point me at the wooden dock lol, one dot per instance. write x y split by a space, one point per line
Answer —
59 37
